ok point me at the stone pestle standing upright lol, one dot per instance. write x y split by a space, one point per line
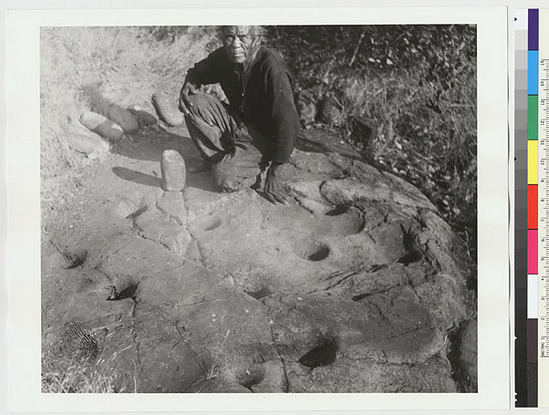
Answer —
257 129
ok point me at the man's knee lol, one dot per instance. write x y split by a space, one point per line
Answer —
201 120
201 103
208 114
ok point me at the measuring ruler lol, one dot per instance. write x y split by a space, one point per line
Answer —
543 209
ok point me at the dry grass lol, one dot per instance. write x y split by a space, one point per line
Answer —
434 151
417 86
88 68
75 376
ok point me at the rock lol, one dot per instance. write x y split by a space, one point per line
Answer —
466 354
274 379
123 118
306 106
263 377
328 112
319 166
322 355
102 126
351 190
173 169
308 195
349 375
217 386
351 289
68 257
144 116
172 204
91 145
251 376
125 208
166 107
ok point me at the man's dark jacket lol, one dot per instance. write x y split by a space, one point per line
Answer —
262 95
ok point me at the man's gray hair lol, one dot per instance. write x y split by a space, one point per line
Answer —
254 31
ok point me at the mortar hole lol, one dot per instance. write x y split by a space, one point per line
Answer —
252 376
313 251
128 291
260 293
216 224
339 209
322 355
346 219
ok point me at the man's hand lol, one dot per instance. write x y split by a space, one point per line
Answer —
274 189
184 102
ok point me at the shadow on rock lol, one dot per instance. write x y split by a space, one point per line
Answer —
322 355
322 141
148 146
137 177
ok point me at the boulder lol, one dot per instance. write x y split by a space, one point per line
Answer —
123 118
167 109
102 126
88 144
144 116
466 347
306 100
328 111
353 288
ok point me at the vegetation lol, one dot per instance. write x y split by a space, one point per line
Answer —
60 375
87 68
416 85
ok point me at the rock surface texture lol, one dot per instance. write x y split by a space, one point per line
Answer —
352 287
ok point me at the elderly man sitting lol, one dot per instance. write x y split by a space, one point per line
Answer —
258 128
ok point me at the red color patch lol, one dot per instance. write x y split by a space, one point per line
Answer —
532 206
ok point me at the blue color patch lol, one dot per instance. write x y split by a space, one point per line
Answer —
533 62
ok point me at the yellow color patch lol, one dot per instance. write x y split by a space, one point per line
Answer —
533 162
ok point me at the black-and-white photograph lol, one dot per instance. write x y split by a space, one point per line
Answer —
259 209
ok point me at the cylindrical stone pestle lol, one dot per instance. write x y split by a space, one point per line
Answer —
173 170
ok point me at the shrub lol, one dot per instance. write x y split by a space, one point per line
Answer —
417 85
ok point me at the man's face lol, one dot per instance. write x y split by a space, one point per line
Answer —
240 43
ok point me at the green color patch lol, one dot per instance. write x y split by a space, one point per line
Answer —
532 117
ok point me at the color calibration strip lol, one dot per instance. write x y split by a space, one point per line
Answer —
542 125
522 178
532 128
531 100
521 204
